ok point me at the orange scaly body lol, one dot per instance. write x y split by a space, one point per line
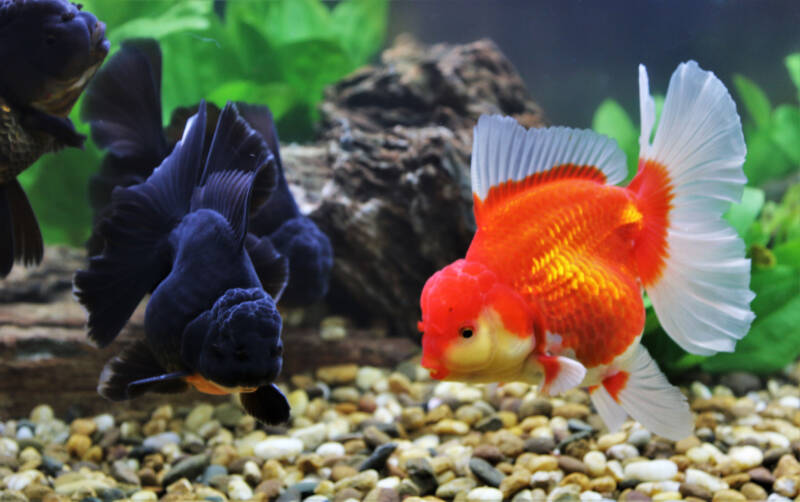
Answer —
567 246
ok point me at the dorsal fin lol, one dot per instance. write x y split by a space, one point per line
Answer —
507 158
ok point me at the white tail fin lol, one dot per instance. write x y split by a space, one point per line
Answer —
641 390
690 260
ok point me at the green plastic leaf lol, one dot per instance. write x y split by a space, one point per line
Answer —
279 97
755 101
786 131
788 253
764 160
283 21
613 121
180 16
310 65
360 26
742 216
793 65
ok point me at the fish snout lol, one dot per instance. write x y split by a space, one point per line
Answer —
100 45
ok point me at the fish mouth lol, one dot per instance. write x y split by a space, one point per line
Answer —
100 44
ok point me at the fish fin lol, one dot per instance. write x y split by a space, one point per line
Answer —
271 266
310 260
267 404
690 260
259 117
560 374
137 253
123 104
236 156
135 371
19 231
60 128
507 158
612 413
645 394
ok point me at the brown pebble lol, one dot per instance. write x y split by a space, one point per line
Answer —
787 466
346 408
488 452
271 488
633 496
375 437
341 471
367 404
412 418
508 443
309 463
439 413
347 493
399 383
338 374
686 444
78 444
571 410
354 446
505 467
513 483
578 448
83 426
658 448
577 478
695 490
93 454
147 477
737 480
752 491
571 464
762 476
727 496
603 484
154 427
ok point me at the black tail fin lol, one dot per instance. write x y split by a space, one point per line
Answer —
137 252
123 104
135 371
237 156
19 231
271 212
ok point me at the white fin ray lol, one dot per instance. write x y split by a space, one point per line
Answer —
651 400
702 297
503 150
570 375
610 411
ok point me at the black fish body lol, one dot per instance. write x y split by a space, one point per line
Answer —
123 106
49 50
182 234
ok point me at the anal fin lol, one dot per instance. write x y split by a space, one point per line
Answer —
642 390
267 404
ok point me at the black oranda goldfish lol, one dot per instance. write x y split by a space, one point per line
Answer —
123 106
49 50
211 320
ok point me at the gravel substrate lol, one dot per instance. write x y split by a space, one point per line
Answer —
366 434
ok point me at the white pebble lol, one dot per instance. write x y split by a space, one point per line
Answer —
158 441
700 390
790 401
42 413
651 470
367 376
337 427
615 469
391 482
330 449
144 496
698 455
596 462
24 432
523 496
427 441
238 489
383 415
652 487
543 477
569 492
485 494
706 480
316 498
590 495
277 447
312 436
639 437
104 422
622 451
22 479
774 497
746 457
8 447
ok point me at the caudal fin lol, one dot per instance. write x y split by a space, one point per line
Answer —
643 392
690 260
19 231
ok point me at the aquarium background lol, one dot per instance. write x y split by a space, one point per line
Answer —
579 60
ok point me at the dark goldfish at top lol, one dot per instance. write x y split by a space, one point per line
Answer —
550 290
49 50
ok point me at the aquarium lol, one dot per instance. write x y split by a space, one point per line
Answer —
287 250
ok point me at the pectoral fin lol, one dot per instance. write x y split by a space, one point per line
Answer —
267 404
560 374
135 371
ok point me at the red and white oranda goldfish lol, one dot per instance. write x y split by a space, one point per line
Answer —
550 290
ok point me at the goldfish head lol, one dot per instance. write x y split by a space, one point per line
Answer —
237 342
50 49
475 328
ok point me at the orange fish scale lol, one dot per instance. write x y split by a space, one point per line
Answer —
568 246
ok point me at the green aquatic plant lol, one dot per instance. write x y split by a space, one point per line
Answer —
281 53
770 230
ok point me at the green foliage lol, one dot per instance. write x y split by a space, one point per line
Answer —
770 230
281 53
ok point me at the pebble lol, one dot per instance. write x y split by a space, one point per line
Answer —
485 494
454 487
280 448
189 468
652 470
705 480
158 441
746 457
377 460
485 473
595 463
238 489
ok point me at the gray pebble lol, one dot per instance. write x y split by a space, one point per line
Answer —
378 458
540 445
570 465
122 472
158 441
421 473
189 468
576 425
741 382
491 423
484 471
639 437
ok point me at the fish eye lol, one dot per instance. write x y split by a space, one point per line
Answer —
465 331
